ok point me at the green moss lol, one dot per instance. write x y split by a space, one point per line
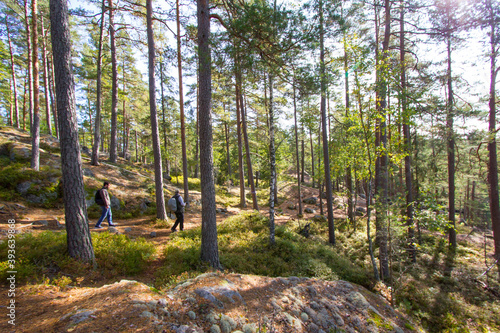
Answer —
379 321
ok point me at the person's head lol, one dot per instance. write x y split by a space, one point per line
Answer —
105 184
176 192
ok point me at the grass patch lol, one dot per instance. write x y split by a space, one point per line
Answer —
45 256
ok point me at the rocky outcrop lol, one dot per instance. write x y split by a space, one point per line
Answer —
231 303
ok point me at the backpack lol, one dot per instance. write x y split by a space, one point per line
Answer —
98 198
172 204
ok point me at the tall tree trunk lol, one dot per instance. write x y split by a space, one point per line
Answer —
320 181
452 235
350 188
209 246
492 146
228 156
181 104
160 198
52 97
125 128
77 228
163 112
243 202
24 102
303 158
35 130
46 78
136 147
407 142
381 172
114 87
247 150
27 26
11 106
326 155
13 70
197 150
312 156
272 155
297 150
97 122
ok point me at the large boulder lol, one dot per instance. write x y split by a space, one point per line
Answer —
360 211
115 203
88 173
86 150
23 187
310 201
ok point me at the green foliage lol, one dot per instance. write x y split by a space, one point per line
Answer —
118 253
46 255
193 183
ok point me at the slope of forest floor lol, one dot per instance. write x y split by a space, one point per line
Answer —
50 304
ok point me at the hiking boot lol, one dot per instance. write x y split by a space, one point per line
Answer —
97 227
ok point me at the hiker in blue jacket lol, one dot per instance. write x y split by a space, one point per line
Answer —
179 213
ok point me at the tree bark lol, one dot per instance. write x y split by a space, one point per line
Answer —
303 157
181 104
320 181
14 81
97 121
136 147
492 145
349 182
53 98
35 129
77 228
209 246
312 156
114 87
46 78
297 150
452 235
407 143
30 61
163 112
272 155
197 148
381 172
247 150
228 156
243 202
25 97
160 199
326 156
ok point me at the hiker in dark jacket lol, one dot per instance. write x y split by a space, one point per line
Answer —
179 213
106 207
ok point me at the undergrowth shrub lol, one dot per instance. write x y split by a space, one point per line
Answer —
244 247
46 254
121 254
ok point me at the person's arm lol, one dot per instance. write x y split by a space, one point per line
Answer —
105 196
181 201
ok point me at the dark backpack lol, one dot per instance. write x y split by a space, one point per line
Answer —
98 198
